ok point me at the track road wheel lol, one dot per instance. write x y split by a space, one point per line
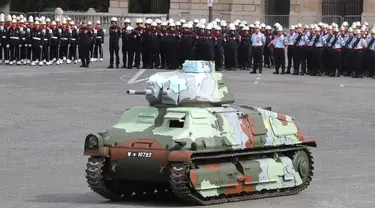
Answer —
303 164
94 175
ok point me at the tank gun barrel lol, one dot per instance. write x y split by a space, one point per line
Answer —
139 92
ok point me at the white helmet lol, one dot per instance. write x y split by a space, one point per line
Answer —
217 28
358 32
98 22
312 26
246 28
262 25
373 31
336 29
72 23
203 21
292 27
330 27
232 28
279 29
139 21
190 25
178 23
306 27
251 25
53 23
256 22
231 25
36 23
14 21
209 27
350 30
268 27
170 20
185 25
127 20
172 24
164 24
48 20
217 20
183 21
256 26
317 29
158 21
148 21
299 25
201 26
196 21
89 23
154 24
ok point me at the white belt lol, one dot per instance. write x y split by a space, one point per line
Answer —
35 38
54 37
64 38
23 38
45 39
98 37
73 39
15 38
4 36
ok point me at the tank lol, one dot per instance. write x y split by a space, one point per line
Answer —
194 141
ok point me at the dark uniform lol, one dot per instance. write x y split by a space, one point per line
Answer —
114 37
171 40
73 44
125 45
244 55
231 52
219 50
85 37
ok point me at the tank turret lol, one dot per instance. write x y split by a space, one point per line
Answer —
196 84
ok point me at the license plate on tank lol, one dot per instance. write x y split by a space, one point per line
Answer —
140 154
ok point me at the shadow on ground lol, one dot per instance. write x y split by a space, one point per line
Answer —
91 198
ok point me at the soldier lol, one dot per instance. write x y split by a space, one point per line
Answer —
347 53
309 42
73 44
23 43
267 50
358 48
29 40
335 46
132 43
114 37
219 49
326 53
65 42
171 40
371 52
125 42
6 39
290 44
85 35
55 43
92 41
279 51
316 56
138 43
231 48
163 44
46 44
14 36
145 43
299 51
187 44
99 41
258 41
2 36
245 49
152 52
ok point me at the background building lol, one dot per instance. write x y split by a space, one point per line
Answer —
269 11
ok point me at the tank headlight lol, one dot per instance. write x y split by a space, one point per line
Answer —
93 141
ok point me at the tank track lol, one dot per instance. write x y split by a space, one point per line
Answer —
108 189
180 183
94 174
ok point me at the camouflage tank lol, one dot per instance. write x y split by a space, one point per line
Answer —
194 141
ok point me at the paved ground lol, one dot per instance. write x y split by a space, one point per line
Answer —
46 112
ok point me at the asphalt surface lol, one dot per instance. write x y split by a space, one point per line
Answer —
46 112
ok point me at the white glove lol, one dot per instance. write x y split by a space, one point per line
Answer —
60 31
50 31
43 31
28 30
21 29
8 46
1 28
104 31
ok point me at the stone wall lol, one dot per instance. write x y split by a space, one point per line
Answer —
368 11
222 9
118 6
305 11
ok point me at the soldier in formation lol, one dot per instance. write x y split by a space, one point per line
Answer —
315 50
41 41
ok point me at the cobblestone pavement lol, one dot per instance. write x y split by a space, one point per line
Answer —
46 112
